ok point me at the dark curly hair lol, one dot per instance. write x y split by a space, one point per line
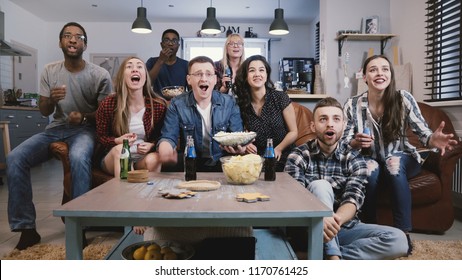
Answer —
242 88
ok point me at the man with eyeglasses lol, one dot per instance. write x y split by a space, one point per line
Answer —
202 113
167 69
70 89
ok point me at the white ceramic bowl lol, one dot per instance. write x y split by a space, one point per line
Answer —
172 91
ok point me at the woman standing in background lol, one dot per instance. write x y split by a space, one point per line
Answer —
233 56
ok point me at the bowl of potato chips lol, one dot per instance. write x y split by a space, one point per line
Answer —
242 170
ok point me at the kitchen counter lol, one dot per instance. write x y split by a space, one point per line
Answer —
8 107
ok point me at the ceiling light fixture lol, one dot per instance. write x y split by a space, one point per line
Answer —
279 26
141 23
211 25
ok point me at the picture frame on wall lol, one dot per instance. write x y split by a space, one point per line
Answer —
371 25
110 61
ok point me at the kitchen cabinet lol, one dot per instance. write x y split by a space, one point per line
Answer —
24 122
383 38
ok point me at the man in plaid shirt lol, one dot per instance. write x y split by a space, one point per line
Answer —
337 177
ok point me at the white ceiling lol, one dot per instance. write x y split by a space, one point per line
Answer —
249 11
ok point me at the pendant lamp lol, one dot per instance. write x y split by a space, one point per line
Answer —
211 25
141 23
279 26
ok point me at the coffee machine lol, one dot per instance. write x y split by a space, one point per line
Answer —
297 73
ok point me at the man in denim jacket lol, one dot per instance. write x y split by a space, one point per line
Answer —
201 112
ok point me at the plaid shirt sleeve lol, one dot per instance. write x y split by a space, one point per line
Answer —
298 165
104 121
355 173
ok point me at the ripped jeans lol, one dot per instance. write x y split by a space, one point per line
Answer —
393 174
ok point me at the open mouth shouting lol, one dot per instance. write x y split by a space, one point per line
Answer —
330 134
136 78
72 49
204 88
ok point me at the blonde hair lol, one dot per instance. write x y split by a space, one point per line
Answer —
122 111
225 58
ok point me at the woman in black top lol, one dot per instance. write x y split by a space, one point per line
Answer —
264 110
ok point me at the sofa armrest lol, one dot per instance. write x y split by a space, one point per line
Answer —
60 151
444 165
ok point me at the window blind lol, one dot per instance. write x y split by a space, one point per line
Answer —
443 78
317 44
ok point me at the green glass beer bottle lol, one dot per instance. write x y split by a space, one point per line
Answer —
125 160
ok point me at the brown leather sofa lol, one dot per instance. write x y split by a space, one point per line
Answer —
61 152
432 209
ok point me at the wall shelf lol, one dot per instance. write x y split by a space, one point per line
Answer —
383 38
306 96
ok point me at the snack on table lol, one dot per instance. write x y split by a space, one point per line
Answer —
234 138
243 170
179 194
138 176
252 197
199 185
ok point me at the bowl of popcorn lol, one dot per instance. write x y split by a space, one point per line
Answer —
172 91
242 170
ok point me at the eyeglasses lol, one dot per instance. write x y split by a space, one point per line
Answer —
168 41
235 44
78 37
200 75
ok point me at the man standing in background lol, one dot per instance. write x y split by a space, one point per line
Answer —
167 69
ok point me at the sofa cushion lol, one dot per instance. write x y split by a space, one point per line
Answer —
303 118
425 188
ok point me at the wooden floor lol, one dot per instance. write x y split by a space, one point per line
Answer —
47 186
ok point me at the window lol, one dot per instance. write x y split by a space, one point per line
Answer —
443 54
316 58
213 47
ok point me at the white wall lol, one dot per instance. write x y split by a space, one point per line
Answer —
411 40
338 15
411 31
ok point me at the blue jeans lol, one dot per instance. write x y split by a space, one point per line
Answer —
360 241
35 150
394 174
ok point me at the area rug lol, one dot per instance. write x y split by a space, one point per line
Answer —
436 250
423 250
57 252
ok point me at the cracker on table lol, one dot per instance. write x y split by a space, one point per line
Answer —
252 197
